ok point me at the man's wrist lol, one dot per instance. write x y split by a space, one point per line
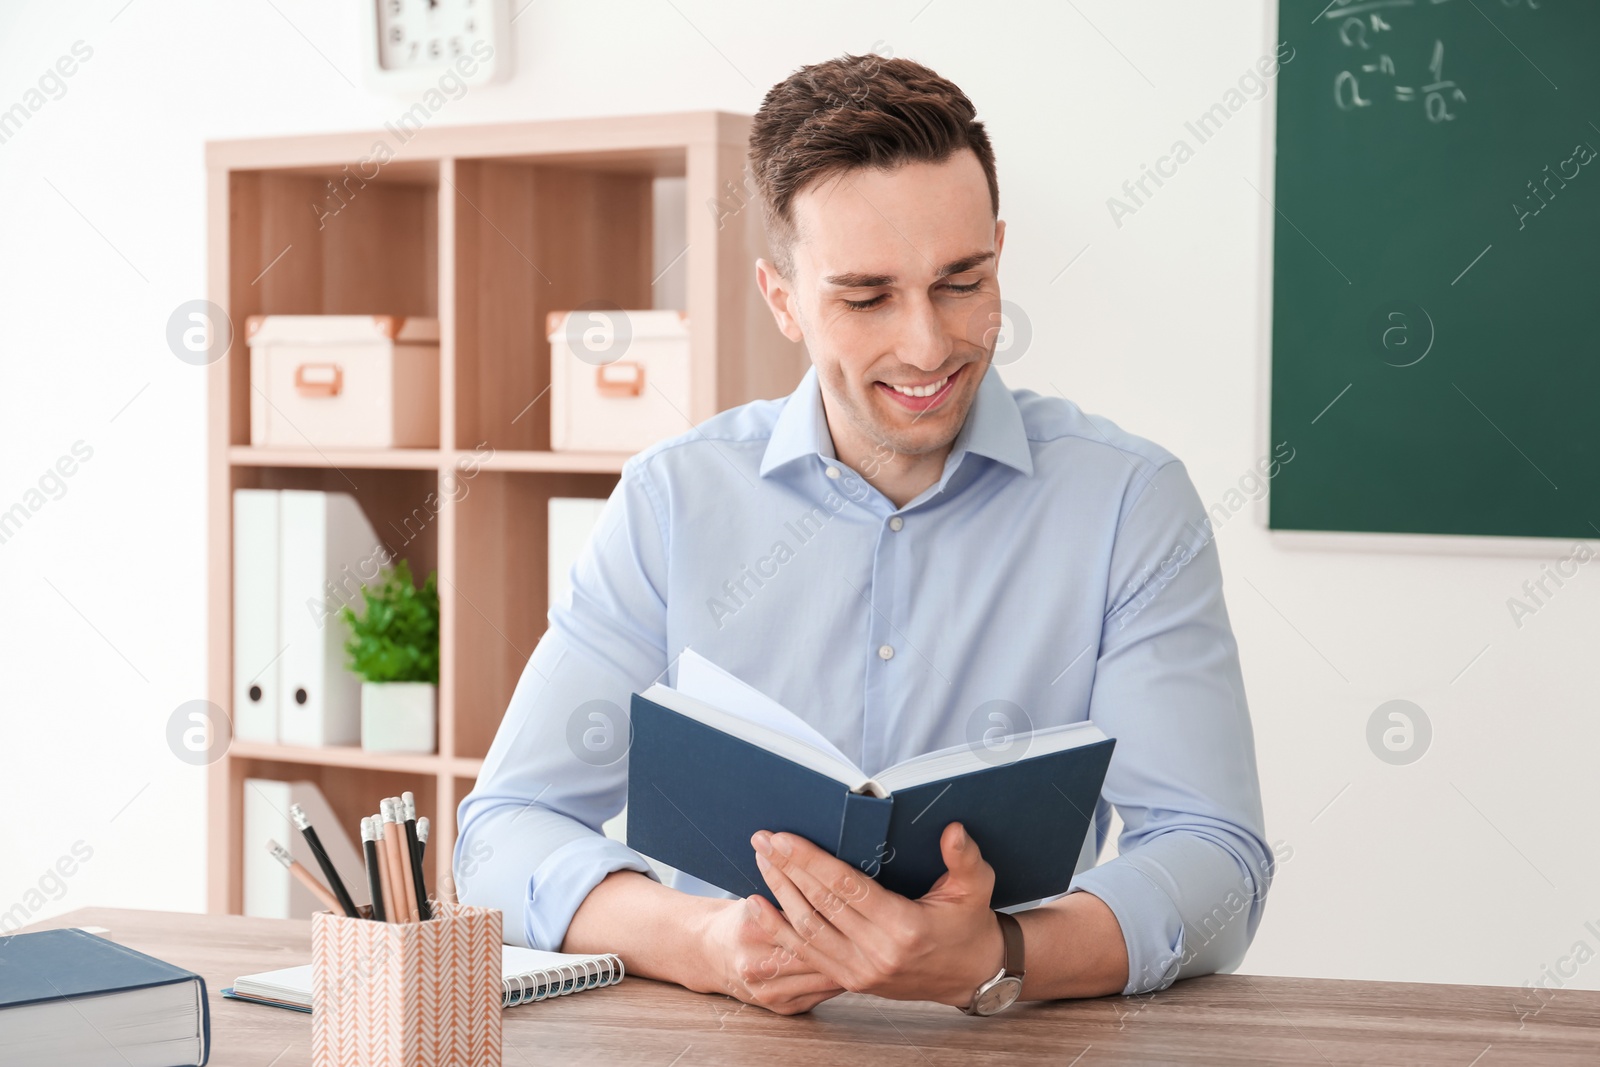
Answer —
704 970
984 962
660 932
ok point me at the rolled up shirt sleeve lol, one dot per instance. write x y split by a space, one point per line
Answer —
1190 880
531 841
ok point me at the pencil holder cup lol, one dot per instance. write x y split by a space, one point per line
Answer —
423 994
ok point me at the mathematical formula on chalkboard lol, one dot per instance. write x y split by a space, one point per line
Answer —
1373 76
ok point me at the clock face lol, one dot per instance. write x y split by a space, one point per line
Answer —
425 34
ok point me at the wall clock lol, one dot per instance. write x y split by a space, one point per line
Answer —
411 44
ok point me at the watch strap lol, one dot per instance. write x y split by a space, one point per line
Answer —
1011 933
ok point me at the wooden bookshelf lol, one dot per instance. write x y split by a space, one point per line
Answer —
487 228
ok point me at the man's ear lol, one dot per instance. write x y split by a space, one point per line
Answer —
779 299
999 240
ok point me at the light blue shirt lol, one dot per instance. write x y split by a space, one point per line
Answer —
1060 569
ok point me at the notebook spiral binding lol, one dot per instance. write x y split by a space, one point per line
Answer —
563 980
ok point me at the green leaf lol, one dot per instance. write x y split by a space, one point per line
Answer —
396 636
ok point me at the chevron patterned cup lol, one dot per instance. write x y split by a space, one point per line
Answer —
424 994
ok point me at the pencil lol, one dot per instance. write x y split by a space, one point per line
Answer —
386 872
408 808
422 852
408 885
369 852
306 878
406 871
402 873
329 871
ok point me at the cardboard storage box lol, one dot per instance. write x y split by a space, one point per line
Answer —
343 381
619 379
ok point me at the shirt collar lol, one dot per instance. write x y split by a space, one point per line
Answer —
993 428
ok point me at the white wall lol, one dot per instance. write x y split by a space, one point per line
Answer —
1466 866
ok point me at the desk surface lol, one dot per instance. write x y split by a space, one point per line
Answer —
1221 1019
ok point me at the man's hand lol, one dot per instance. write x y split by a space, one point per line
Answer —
741 959
860 936
706 944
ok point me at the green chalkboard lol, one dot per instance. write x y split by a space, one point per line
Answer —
1436 275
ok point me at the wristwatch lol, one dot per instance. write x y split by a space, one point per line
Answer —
1001 991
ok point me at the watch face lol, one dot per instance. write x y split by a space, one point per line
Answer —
997 997
429 33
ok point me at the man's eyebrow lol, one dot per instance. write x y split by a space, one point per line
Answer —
858 280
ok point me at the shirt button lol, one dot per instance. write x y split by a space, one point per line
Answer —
886 652
895 523
833 472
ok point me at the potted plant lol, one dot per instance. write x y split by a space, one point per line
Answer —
394 647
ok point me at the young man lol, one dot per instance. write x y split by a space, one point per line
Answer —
908 554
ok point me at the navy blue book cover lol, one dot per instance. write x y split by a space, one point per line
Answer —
696 795
55 964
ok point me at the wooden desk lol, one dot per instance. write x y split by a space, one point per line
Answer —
1221 1019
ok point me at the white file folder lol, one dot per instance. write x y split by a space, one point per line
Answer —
270 891
255 615
572 519
327 551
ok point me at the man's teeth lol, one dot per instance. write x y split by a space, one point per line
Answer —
921 390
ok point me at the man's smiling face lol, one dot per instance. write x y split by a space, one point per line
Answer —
895 291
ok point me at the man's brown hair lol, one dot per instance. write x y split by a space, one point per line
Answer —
855 111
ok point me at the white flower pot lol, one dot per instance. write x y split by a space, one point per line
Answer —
398 717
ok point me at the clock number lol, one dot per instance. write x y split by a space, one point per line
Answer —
417 35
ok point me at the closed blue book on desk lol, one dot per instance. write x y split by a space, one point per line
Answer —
71 999
712 761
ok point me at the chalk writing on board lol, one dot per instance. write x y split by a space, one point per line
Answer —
1541 194
1356 7
1375 75
1438 106
1438 96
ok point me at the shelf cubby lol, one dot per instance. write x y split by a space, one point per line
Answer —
401 504
324 241
560 236
499 606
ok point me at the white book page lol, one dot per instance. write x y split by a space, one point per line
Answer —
154 1026
964 759
292 984
775 740
698 677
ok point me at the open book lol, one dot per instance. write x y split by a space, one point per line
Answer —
713 760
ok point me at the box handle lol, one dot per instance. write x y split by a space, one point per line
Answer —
318 379
621 379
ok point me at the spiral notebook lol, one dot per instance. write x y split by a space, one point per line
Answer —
526 975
